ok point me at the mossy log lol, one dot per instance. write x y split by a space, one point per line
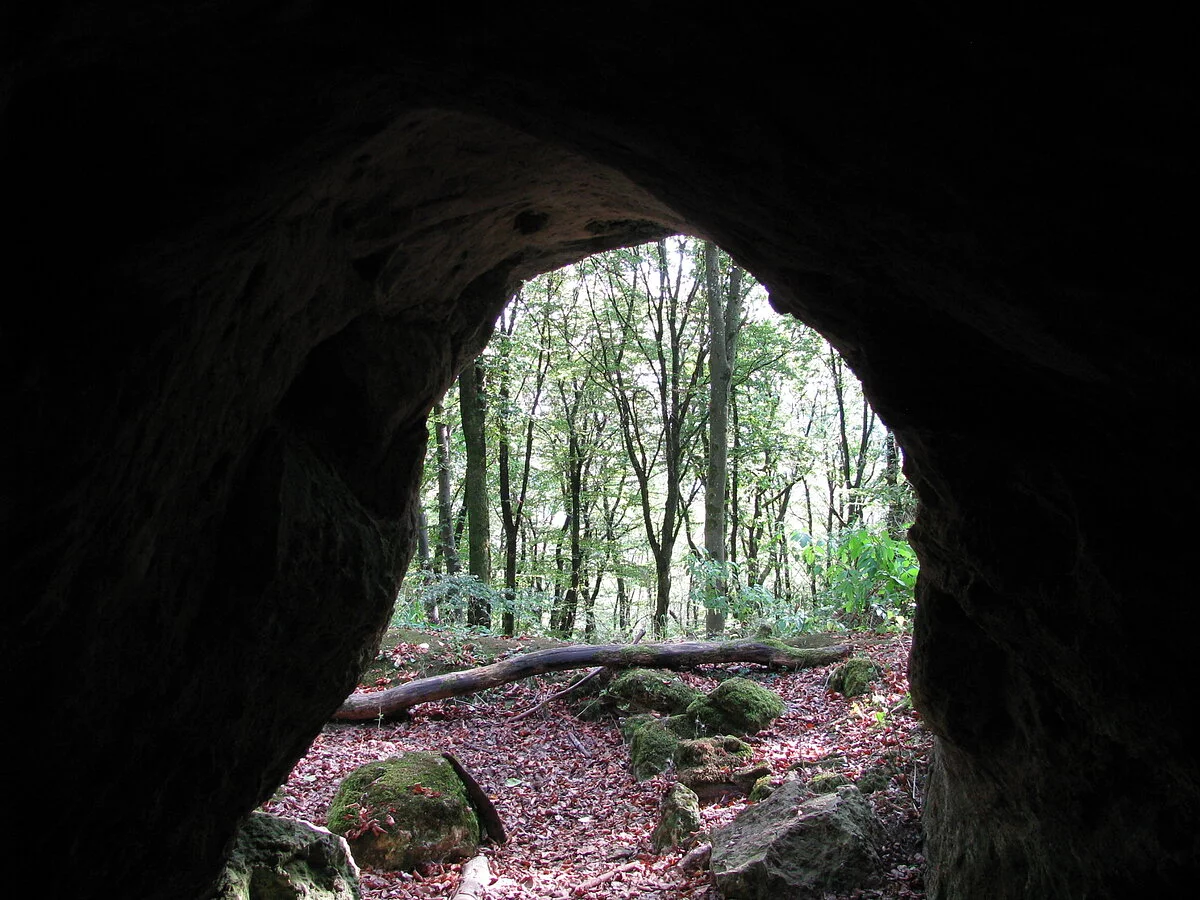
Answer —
361 707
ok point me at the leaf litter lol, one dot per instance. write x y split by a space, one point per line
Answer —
579 824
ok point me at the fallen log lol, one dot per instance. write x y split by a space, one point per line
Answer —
362 707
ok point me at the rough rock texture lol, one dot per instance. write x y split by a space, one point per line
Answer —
404 811
794 845
251 243
736 706
651 745
854 677
276 858
717 767
678 818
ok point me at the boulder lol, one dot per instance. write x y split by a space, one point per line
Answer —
791 845
854 677
649 690
718 766
678 818
737 706
651 745
404 811
279 859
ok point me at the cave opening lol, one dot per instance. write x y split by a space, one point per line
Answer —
187 517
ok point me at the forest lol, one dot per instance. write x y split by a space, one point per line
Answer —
644 448
645 443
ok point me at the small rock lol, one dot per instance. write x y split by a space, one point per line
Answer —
678 818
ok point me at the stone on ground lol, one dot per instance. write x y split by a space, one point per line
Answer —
276 858
678 818
796 846
736 706
404 811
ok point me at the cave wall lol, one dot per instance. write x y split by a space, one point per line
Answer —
253 243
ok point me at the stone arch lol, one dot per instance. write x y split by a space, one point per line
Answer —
255 244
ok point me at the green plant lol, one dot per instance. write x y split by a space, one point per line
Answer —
867 578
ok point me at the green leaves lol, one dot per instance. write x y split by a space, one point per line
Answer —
868 577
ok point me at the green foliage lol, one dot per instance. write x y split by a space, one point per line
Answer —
449 594
867 577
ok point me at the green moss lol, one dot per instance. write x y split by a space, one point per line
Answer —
827 782
724 750
405 810
631 725
748 706
678 818
853 677
762 789
648 690
874 779
651 749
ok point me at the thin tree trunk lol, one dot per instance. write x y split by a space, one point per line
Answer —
478 514
446 548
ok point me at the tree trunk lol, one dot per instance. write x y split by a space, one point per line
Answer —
446 548
478 514
716 593
362 707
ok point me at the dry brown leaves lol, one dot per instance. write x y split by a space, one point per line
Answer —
579 825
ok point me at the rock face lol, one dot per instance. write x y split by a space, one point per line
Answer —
791 845
404 811
276 858
254 242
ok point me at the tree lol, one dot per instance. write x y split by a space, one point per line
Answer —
512 507
652 368
724 322
470 398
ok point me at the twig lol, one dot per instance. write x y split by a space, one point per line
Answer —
606 877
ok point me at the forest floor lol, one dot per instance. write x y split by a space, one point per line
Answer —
578 823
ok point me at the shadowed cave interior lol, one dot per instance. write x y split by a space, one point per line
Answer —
253 245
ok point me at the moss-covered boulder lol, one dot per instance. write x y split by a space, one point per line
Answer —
404 811
827 782
275 858
854 677
737 706
635 691
717 767
678 818
651 746
762 789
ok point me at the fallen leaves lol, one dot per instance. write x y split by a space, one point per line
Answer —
579 825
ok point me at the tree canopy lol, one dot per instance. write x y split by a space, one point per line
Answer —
630 488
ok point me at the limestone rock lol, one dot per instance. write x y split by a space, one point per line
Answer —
404 811
736 706
827 782
651 746
795 847
648 690
853 677
678 818
277 858
716 767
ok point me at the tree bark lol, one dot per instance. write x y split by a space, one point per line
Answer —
362 707
478 513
